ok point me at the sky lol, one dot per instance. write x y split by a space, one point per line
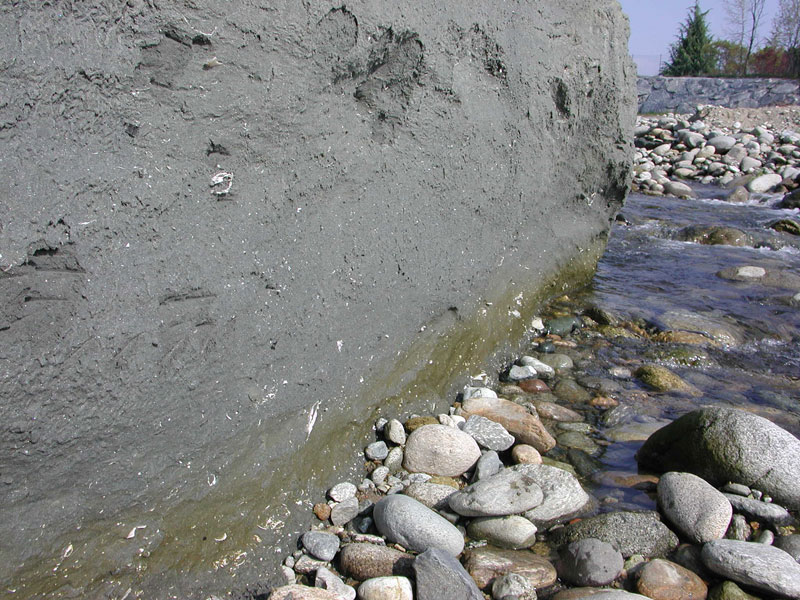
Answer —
655 25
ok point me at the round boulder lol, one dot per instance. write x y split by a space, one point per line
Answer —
728 444
440 450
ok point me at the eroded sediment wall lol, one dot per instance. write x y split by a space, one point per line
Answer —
229 230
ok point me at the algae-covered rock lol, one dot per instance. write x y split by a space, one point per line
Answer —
662 379
728 444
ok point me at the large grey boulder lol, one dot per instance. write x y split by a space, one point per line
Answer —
727 444
217 217
413 525
759 566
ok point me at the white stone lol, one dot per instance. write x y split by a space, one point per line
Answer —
751 272
764 183
440 450
386 588
342 491
695 507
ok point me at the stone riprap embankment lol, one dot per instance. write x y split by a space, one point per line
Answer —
504 527
674 148
228 228
681 94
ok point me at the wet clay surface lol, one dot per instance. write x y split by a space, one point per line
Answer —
220 222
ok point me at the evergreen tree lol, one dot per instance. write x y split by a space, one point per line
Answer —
693 53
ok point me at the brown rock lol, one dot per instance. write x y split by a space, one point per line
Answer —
523 454
518 421
322 511
664 580
417 422
685 337
365 561
487 563
533 386
603 402
556 412
624 479
301 592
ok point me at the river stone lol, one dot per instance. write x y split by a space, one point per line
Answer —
386 588
512 532
756 510
765 568
440 450
713 235
511 491
363 561
377 451
676 188
488 464
557 361
487 433
344 512
727 444
596 594
764 183
433 495
544 370
589 562
414 526
533 386
302 592
517 420
342 491
487 563
513 586
629 532
327 580
696 508
713 327
521 372
522 454
664 580
395 432
789 544
727 590
568 390
321 545
563 496
555 412
441 577
722 143
662 379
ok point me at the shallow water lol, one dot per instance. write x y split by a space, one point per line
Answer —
648 279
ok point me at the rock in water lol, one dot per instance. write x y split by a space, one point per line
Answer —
441 577
440 450
727 444
487 563
415 526
664 580
759 566
696 508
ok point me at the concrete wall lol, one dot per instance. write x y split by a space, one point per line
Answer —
683 94
196 356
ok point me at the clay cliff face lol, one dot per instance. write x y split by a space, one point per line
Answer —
230 230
